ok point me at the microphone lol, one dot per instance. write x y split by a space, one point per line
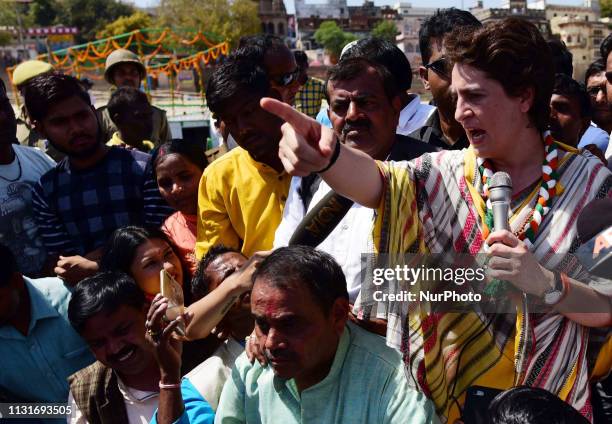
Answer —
500 193
594 227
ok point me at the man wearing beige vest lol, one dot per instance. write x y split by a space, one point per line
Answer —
108 310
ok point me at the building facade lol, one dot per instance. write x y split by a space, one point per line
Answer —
580 28
359 20
513 8
408 24
273 17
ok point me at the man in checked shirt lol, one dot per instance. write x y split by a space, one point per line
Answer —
312 91
95 189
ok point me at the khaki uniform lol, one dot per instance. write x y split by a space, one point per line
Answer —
161 130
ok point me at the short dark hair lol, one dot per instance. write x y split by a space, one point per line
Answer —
193 151
255 47
562 57
120 248
123 99
317 270
441 23
300 58
533 405
264 40
385 53
606 47
348 69
238 74
504 51
44 91
566 86
200 283
104 292
8 265
594 68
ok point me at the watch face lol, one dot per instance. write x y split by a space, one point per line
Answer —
553 297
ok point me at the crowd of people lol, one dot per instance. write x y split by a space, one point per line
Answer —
101 213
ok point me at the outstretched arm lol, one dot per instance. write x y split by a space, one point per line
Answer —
308 147
210 310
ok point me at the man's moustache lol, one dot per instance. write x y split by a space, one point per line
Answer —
355 127
278 354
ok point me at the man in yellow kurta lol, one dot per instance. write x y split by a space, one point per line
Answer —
242 194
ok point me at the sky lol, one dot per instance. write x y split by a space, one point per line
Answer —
416 3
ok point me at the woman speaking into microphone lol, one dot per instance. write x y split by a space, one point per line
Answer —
503 77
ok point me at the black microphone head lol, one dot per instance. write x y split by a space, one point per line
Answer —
595 217
500 187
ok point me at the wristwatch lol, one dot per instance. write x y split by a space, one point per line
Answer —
554 294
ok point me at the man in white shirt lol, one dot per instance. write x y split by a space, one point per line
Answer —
413 113
20 169
364 110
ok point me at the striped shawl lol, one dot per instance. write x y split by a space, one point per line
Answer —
433 205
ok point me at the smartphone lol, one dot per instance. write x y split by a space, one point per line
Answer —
477 401
172 290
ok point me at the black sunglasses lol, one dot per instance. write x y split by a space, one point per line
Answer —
440 67
284 80
609 76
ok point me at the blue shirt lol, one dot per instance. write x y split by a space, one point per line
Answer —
594 135
77 210
35 367
323 119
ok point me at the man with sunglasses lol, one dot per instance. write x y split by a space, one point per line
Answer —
242 194
271 53
441 129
